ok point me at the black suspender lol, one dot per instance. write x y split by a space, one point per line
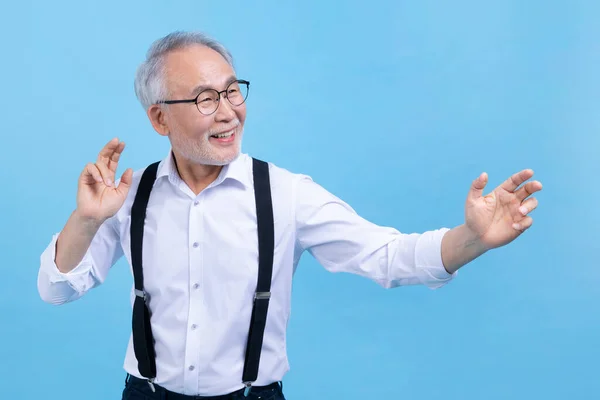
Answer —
266 247
143 342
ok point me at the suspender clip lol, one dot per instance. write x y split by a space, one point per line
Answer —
151 384
248 388
262 295
142 294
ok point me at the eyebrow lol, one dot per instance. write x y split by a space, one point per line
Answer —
202 87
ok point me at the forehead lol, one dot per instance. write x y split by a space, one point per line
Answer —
196 65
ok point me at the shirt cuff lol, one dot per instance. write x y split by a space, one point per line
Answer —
76 278
428 259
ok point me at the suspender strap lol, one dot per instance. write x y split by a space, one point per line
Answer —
266 247
143 342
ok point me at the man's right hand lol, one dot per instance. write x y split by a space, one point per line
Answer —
97 196
97 200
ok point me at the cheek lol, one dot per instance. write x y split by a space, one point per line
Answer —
192 125
240 112
201 126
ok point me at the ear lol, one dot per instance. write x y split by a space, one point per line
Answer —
158 119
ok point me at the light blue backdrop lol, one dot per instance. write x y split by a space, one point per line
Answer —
395 106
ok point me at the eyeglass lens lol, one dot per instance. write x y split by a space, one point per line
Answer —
208 100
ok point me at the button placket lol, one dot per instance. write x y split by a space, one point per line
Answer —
192 346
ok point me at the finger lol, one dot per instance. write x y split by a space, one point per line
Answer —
113 160
523 224
125 182
528 206
528 189
517 179
107 152
477 186
92 171
108 149
107 174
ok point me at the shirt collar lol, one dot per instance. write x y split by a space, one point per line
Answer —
237 170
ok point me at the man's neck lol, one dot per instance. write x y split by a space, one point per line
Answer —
196 176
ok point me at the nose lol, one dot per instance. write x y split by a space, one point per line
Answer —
225 111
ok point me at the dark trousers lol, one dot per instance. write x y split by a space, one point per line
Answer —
138 389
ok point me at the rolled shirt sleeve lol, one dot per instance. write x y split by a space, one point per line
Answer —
342 241
56 287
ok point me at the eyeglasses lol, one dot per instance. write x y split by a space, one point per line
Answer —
208 100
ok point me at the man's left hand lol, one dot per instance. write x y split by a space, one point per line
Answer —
499 217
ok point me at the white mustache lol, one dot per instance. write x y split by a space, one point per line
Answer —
233 125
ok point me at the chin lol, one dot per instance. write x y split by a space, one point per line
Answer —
213 157
205 153
223 160
227 155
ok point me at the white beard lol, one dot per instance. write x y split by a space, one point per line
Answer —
201 151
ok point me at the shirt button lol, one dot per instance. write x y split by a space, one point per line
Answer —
194 326
196 244
191 367
196 202
196 286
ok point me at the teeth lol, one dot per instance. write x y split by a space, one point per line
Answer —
223 135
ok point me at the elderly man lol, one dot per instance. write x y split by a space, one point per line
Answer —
213 236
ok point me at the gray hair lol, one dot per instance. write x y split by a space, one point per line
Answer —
149 83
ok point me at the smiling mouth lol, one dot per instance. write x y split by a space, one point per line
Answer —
224 135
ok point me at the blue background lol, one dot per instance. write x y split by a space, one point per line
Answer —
395 106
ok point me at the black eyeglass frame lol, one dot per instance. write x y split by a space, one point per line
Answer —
219 94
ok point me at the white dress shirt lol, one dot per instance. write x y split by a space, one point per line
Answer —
200 263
